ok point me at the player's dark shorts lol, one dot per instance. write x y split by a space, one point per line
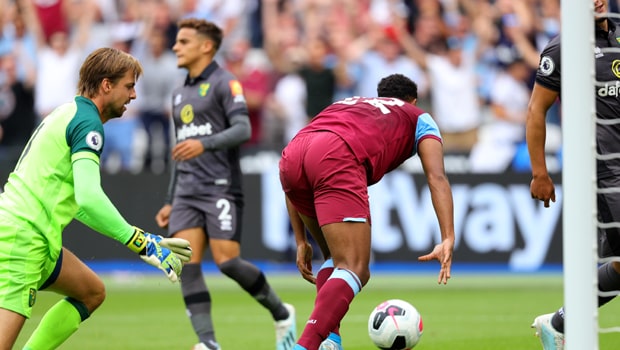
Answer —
609 212
220 215
324 180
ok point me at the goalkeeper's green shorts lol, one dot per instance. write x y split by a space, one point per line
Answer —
25 264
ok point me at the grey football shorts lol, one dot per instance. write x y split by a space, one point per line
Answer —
219 215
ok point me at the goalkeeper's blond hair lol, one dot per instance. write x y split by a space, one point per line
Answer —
105 63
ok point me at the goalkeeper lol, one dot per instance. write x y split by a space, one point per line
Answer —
56 180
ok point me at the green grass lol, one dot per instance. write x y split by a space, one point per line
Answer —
472 312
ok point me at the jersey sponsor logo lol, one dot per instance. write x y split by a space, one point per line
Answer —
187 114
190 130
609 90
615 68
94 140
546 65
203 89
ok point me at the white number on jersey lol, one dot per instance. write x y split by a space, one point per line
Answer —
376 102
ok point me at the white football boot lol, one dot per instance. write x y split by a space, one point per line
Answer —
549 337
333 342
286 330
212 346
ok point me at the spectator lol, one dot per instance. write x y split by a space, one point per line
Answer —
499 138
453 83
17 39
160 77
59 51
17 116
254 72
286 110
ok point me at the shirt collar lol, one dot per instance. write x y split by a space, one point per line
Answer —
204 75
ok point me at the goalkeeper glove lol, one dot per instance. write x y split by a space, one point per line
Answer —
148 246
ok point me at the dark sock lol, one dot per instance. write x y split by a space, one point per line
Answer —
557 321
197 302
253 281
608 280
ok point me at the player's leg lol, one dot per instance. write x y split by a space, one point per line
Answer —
11 324
550 327
224 240
22 254
342 211
84 292
196 295
350 248
609 212
325 271
187 221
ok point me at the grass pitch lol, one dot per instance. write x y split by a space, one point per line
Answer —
472 312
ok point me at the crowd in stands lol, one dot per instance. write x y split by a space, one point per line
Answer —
473 61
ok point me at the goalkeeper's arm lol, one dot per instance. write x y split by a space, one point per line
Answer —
98 212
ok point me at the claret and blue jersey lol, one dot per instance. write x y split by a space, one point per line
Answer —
381 132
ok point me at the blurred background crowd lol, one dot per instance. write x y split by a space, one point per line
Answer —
473 60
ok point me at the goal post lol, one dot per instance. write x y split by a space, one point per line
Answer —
579 176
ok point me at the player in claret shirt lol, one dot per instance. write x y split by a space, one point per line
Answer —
325 172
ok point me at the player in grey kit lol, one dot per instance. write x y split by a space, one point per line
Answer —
550 327
205 199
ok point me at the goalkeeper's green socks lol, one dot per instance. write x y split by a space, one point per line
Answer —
57 325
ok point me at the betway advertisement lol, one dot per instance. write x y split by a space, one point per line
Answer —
496 220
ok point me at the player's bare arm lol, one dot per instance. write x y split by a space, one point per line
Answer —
431 155
304 248
541 187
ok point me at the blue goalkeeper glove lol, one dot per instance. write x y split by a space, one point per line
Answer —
166 254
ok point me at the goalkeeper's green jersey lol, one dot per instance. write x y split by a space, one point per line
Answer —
40 190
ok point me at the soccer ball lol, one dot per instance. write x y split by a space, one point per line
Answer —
395 325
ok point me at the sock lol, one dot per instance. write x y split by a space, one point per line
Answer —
325 271
253 281
331 305
608 280
557 321
197 302
58 324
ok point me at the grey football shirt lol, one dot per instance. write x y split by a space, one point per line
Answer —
202 107
607 90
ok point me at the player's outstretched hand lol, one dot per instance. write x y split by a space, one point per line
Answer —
148 246
304 262
443 253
